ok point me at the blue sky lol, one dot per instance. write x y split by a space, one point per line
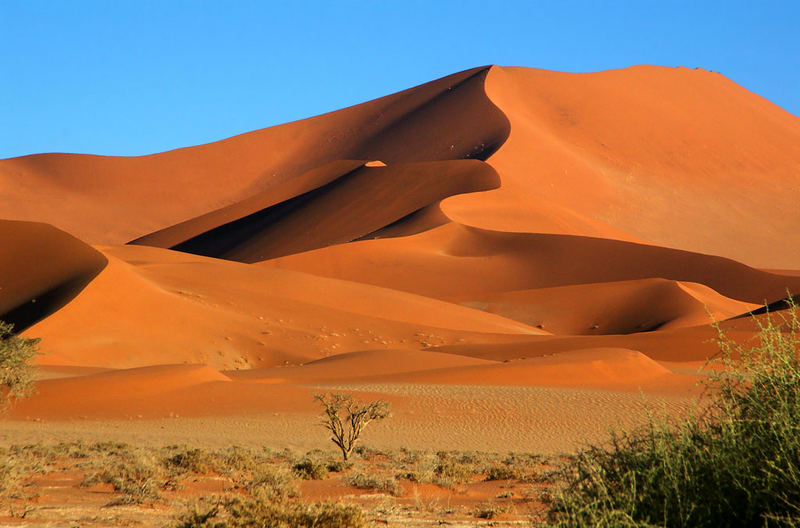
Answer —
125 77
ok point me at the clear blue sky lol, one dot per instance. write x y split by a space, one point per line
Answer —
134 77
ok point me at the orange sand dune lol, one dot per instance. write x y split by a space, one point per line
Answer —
365 364
676 157
613 307
456 262
41 269
608 368
161 391
412 244
687 344
152 306
111 200
358 203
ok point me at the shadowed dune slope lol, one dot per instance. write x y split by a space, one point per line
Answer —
455 262
111 200
676 157
359 201
152 306
41 269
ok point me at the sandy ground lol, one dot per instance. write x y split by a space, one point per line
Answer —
429 417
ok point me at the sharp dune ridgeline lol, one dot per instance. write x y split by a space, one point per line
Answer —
500 227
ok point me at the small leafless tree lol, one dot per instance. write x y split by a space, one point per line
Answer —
346 418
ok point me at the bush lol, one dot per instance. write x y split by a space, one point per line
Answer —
736 464
138 478
241 512
16 372
388 485
310 469
248 513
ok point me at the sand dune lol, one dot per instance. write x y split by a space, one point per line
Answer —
358 366
499 233
455 261
375 197
613 307
41 270
607 368
677 157
152 306
112 200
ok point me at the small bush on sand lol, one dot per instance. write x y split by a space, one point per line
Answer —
138 479
310 469
273 486
737 464
16 372
183 459
346 418
388 485
239 512
249 513
452 469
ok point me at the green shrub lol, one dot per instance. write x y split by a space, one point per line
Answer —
249 513
137 478
273 486
736 464
191 460
451 469
239 512
388 485
16 372
310 469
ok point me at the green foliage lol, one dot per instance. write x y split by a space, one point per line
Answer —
388 485
310 469
737 464
241 512
190 460
16 372
346 418
249 513
138 477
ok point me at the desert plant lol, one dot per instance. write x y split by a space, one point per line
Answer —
138 479
388 485
249 513
16 372
736 463
272 486
310 469
346 418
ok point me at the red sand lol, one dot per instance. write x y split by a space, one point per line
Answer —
497 228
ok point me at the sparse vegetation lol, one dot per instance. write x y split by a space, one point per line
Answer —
16 372
388 485
735 464
346 418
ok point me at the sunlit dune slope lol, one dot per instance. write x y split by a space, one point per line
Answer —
152 306
357 366
672 156
41 269
454 262
112 200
